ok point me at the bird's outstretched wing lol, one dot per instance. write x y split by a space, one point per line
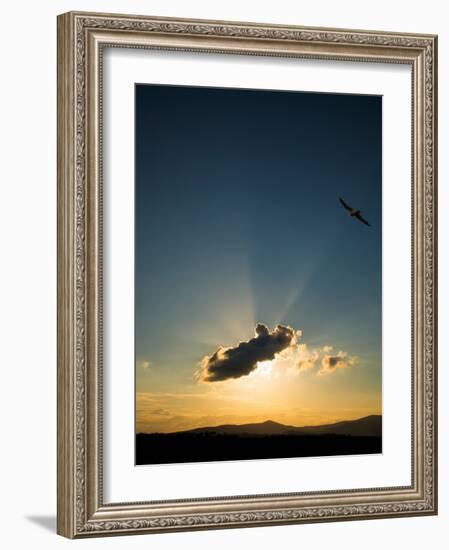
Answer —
344 204
359 217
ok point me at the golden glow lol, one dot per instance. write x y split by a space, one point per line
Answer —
276 390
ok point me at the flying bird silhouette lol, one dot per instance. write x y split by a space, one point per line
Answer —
353 212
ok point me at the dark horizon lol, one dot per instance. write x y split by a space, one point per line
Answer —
260 441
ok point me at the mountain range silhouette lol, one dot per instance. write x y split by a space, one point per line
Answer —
366 426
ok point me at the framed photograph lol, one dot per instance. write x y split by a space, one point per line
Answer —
246 274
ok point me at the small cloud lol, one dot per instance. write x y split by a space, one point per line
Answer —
242 359
307 359
143 364
331 363
307 363
159 412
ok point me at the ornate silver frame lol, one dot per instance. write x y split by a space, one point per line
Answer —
81 39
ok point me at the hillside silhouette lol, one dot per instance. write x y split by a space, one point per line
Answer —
267 439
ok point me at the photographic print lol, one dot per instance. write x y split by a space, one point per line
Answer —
257 274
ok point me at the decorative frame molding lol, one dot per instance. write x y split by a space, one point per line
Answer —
81 38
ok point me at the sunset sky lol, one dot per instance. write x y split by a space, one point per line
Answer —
239 230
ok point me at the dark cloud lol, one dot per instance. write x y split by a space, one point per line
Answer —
242 359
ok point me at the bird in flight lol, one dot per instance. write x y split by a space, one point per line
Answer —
353 212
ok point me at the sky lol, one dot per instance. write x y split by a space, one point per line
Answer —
256 295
